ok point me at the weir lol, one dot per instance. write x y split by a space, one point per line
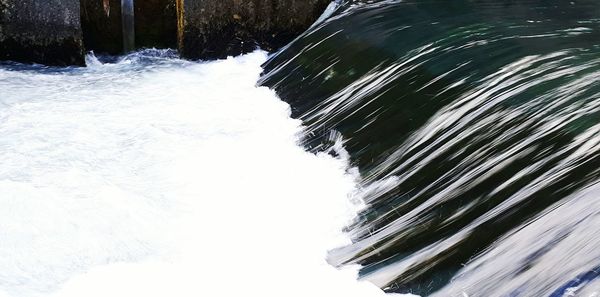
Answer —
128 25
473 142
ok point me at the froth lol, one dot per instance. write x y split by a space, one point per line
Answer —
165 179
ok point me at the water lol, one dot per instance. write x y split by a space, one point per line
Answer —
467 134
154 176
475 126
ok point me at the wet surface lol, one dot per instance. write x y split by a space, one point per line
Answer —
476 129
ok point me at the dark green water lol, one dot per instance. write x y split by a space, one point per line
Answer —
476 128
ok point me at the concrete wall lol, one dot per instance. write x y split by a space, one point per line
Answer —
216 29
54 31
41 31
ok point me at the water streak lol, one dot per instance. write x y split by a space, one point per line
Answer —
475 126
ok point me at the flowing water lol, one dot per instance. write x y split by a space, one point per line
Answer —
466 134
475 126
154 176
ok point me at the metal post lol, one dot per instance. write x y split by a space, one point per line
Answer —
128 20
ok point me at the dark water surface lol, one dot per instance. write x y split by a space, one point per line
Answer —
476 129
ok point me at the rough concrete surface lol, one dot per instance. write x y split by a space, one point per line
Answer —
216 29
47 32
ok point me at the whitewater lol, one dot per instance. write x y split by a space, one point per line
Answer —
155 176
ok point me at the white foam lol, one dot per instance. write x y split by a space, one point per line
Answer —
164 179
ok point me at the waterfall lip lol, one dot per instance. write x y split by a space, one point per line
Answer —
473 127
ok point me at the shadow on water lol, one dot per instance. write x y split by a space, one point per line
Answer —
471 122
142 59
114 71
